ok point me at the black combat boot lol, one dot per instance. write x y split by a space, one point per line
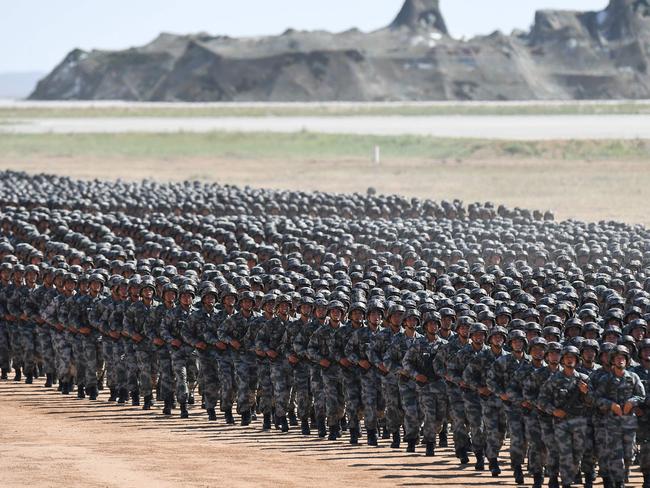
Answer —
266 423
135 398
253 414
344 424
100 384
230 420
354 436
190 399
518 474
462 456
494 467
246 418
122 396
538 480
431 449
396 440
589 480
284 425
212 414
92 392
553 482
646 480
65 388
81 392
480 461
48 380
322 427
148 402
410 445
4 375
334 433
304 426
372 437
184 413
167 409
442 437
203 401
293 420
18 376
113 396
29 379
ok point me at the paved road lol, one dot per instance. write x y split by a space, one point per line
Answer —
551 127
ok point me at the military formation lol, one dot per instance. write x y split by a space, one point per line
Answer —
375 319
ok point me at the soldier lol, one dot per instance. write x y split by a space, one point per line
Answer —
477 376
643 412
300 366
223 354
183 362
41 297
498 380
135 321
619 394
5 334
419 362
564 396
529 415
357 352
235 333
265 401
589 350
393 359
446 366
321 351
270 341
22 307
114 320
389 382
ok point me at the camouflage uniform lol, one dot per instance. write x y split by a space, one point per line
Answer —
42 297
5 336
135 319
349 376
225 363
317 389
162 354
270 338
76 340
321 346
114 320
377 349
265 387
18 304
183 360
471 399
88 336
15 344
620 431
561 392
599 421
56 314
408 395
236 327
643 430
498 380
98 319
432 394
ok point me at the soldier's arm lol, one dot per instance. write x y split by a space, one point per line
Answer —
351 349
225 330
545 400
13 304
313 348
495 376
409 362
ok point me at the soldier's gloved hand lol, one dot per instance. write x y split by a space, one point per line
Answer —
526 404
617 410
158 341
345 362
420 378
504 397
583 387
364 364
638 412
201 345
236 344
176 343
221 346
272 354
627 408
137 337
382 368
260 353
324 363
484 390
559 413
293 359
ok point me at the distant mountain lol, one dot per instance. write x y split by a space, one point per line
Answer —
19 85
565 55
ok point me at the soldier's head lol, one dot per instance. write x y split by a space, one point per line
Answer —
478 334
357 312
376 312
170 293
644 350
320 308
589 350
431 323
247 301
619 358
411 319
570 357
517 340
538 347
306 306
283 305
335 311
209 297
553 353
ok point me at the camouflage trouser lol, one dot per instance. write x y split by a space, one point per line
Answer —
550 445
264 386
62 343
79 359
643 437
165 372
474 414
209 377
409 396
131 365
394 412
89 351
370 396
17 353
246 379
352 395
27 336
317 389
145 359
460 424
226 379
47 349
301 389
119 364
570 442
5 347
536 449
432 397
334 401
280 379
107 351
517 428
494 417
588 464
184 364
620 443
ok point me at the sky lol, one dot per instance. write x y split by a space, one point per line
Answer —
35 35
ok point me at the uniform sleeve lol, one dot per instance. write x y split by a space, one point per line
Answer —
313 348
409 362
352 347
545 399
495 377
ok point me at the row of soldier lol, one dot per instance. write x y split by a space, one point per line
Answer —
570 395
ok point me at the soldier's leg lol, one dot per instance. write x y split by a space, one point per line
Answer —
192 366
333 405
301 387
226 382
144 359
280 382
459 421
318 390
588 464
90 358
5 353
352 389
644 454
17 353
517 429
28 347
429 405
132 371
242 377
550 446
179 365
474 414
80 362
408 395
369 399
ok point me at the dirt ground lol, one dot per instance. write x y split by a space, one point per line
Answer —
51 440
585 190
